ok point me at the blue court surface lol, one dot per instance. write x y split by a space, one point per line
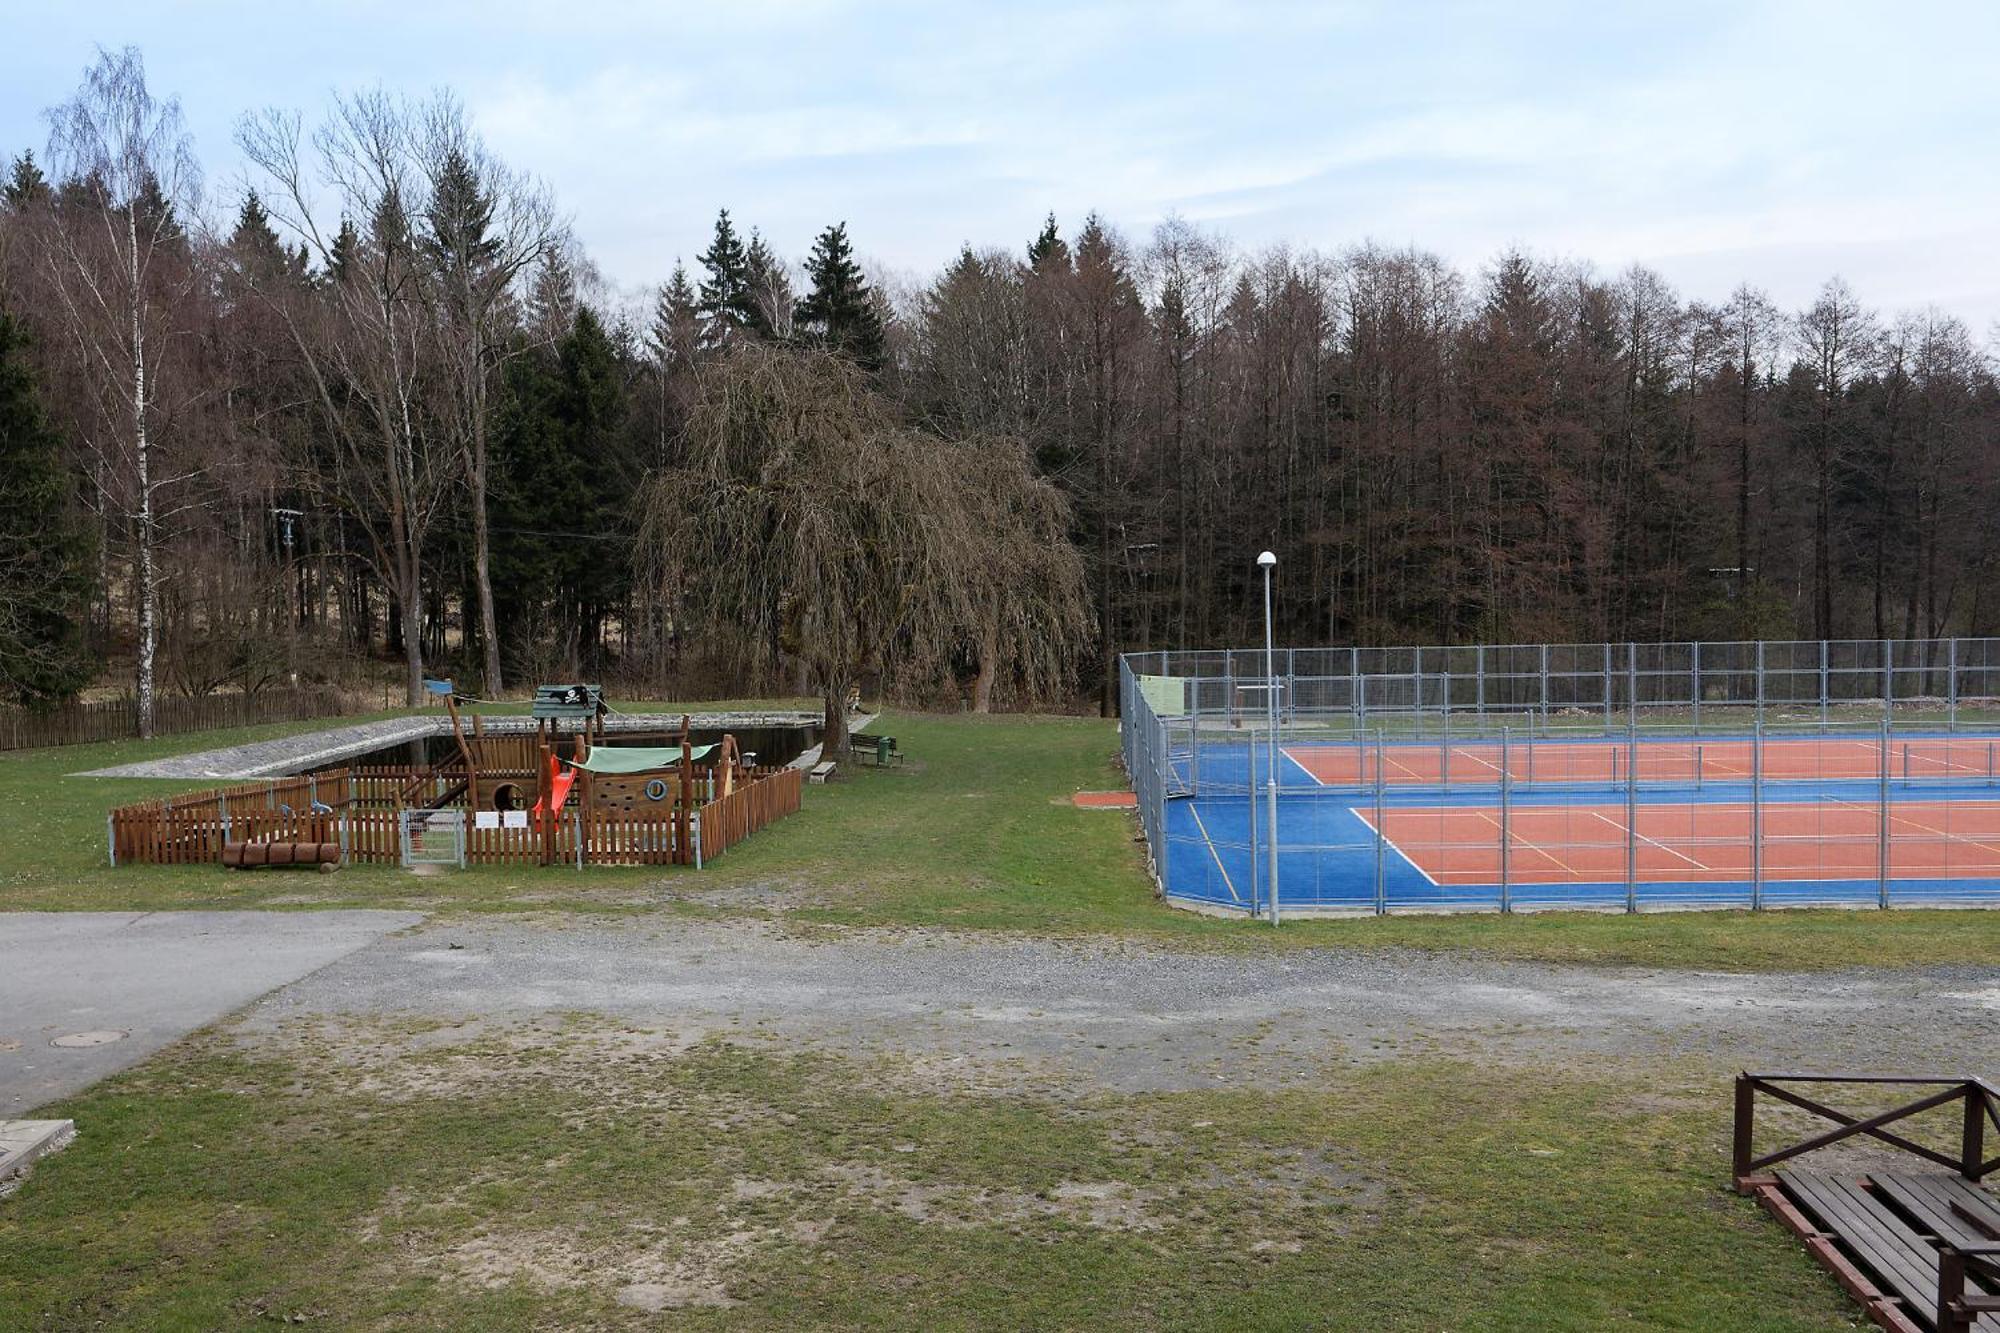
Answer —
1945 814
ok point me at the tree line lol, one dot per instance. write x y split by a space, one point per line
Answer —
387 411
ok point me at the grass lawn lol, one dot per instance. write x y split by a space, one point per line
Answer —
976 835
590 1175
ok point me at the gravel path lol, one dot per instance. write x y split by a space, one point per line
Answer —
1135 1018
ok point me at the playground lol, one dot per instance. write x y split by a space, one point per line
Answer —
563 794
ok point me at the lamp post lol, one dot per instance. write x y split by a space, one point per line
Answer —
1267 562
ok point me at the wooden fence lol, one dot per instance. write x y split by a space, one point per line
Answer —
358 809
728 820
118 719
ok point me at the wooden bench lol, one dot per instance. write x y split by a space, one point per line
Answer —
820 772
251 855
881 748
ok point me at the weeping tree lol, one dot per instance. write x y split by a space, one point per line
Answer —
806 515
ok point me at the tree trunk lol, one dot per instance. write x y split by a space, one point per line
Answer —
142 457
833 726
489 633
989 663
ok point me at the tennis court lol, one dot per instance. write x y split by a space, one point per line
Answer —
1638 803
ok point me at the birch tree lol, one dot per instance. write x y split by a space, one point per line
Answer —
123 269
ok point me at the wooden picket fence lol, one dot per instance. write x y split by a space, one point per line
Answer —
173 715
358 809
728 820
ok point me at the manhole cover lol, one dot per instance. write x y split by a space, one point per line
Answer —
88 1039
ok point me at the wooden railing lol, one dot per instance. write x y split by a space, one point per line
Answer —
173 715
1959 1304
1981 1103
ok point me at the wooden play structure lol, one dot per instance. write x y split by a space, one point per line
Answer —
1915 1240
562 795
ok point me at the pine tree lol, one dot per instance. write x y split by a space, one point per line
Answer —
46 550
770 291
1048 248
26 185
724 304
460 218
675 326
839 312
345 250
552 299
254 245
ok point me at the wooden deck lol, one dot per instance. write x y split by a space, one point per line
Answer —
1916 1248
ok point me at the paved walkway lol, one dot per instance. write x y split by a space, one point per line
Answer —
85 994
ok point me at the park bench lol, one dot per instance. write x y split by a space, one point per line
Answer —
881 748
820 772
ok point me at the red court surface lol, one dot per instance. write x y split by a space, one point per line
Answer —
1587 844
1831 758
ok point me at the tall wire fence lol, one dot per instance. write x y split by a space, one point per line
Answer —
1587 775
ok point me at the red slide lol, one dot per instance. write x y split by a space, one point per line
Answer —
559 783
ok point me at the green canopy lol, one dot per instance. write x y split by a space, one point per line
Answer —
638 758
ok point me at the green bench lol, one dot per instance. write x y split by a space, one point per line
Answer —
881 748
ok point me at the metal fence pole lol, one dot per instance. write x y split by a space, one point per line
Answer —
1381 836
1506 806
1607 687
1760 681
1545 687
1250 818
1888 680
1696 698
1631 816
1825 685
1951 682
1882 829
1479 681
1757 816
1632 681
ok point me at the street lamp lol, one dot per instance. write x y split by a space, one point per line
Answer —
1267 562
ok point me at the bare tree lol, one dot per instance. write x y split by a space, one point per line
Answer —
123 267
367 337
1838 341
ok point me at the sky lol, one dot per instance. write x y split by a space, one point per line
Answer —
1766 141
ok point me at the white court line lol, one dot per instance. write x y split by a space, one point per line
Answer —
1656 842
1390 843
1195 810
1286 751
1905 819
1561 864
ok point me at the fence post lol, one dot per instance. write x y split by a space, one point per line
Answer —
1381 836
1760 680
1607 687
222 805
1632 682
1888 679
1545 687
1250 815
111 837
1697 686
1479 680
1631 813
1506 805
1825 683
1882 808
1757 816
1951 683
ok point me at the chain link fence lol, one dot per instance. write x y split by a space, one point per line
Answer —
1594 775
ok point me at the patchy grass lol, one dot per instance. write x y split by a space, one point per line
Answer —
585 1174
976 834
